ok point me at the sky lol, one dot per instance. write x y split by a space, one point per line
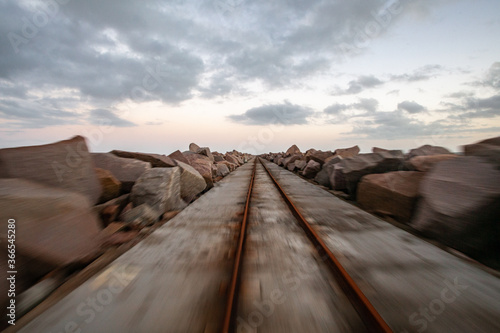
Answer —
252 75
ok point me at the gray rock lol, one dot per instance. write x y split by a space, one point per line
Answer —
319 156
156 160
142 216
222 170
293 150
347 152
126 170
203 165
65 164
193 147
160 188
323 177
425 163
311 169
192 183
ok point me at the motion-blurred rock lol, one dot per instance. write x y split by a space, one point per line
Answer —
488 149
160 188
427 150
109 184
393 193
65 164
378 150
140 216
425 163
156 160
203 165
125 170
460 206
311 169
347 152
192 183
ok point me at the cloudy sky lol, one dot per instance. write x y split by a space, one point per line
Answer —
251 75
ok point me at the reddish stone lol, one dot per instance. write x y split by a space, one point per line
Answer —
156 160
177 155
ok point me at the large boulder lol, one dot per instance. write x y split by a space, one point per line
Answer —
140 216
364 164
109 184
323 177
160 188
193 147
338 181
177 156
427 150
222 170
230 166
156 160
206 151
425 163
203 165
293 150
392 194
192 183
291 160
300 164
65 164
232 159
460 206
319 156
125 170
488 149
347 152
311 169
53 226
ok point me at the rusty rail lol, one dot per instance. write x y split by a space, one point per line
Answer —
365 309
232 300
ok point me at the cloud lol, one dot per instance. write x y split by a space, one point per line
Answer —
411 107
420 74
106 117
343 112
286 114
492 77
359 85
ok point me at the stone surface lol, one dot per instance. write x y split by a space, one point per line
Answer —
206 151
222 170
65 164
109 211
156 160
110 186
203 165
393 193
425 163
193 147
378 150
338 181
347 152
488 149
231 166
192 183
232 159
323 177
177 156
427 150
141 216
218 158
460 206
311 169
300 164
53 226
319 156
160 188
125 170
293 150
291 159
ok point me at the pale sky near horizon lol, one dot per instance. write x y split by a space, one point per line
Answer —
251 75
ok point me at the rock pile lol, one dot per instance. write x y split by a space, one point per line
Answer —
52 190
452 198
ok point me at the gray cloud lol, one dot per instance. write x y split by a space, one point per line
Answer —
343 112
411 107
108 118
286 114
420 74
492 77
359 85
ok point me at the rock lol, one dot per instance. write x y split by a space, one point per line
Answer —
338 181
192 183
323 177
156 160
293 150
356 167
347 152
319 156
222 170
309 152
206 151
54 226
141 216
203 165
193 147
232 159
120 238
460 206
109 184
425 163
177 156
230 166
160 188
125 170
488 149
65 164
291 160
218 158
392 194
300 164
427 150
378 150
109 211
311 169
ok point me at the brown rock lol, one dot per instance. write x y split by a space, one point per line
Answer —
177 156
222 170
203 165
338 181
319 156
156 160
120 238
311 169
141 216
425 163
392 194
347 152
229 165
291 160
206 151
427 150
109 184
193 147
293 150
378 150
192 183
460 206
65 164
300 164
488 149
109 211
323 177
232 159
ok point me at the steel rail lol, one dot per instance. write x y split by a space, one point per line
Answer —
232 300
360 302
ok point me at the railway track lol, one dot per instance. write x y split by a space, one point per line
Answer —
371 319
